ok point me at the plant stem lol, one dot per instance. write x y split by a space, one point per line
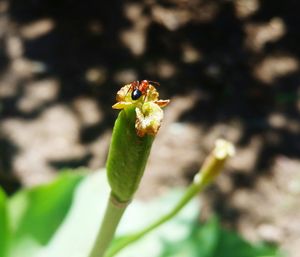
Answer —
211 168
132 138
113 214
191 191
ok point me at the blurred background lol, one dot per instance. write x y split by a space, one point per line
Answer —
230 68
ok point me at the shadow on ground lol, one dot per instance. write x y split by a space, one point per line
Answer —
241 57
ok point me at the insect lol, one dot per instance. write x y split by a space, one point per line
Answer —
140 88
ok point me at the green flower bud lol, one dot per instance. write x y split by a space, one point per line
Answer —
133 134
214 163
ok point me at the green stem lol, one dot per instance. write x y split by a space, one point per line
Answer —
210 170
128 154
113 214
191 191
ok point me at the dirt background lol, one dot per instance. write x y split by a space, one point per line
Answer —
230 68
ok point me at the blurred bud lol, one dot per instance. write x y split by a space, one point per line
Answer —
214 163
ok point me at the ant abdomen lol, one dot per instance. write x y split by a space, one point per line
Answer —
136 94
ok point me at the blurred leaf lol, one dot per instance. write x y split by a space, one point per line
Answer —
36 213
4 229
211 240
144 213
76 235
230 240
84 218
62 219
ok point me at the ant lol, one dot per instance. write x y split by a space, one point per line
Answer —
140 88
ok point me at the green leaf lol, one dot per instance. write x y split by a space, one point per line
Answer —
211 240
4 226
77 234
141 214
230 240
62 219
201 241
36 213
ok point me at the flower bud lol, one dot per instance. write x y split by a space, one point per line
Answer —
133 134
214 163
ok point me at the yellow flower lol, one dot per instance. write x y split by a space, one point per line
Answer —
148 110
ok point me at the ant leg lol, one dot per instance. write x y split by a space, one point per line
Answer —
154 83
146 95
133 85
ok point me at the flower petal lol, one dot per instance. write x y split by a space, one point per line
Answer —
148 119
152 94
123 93
148 108
121 105
162 103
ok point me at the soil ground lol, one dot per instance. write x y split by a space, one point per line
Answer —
230 68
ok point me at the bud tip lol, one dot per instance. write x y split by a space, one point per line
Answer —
223 149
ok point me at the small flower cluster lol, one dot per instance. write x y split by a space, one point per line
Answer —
148 110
